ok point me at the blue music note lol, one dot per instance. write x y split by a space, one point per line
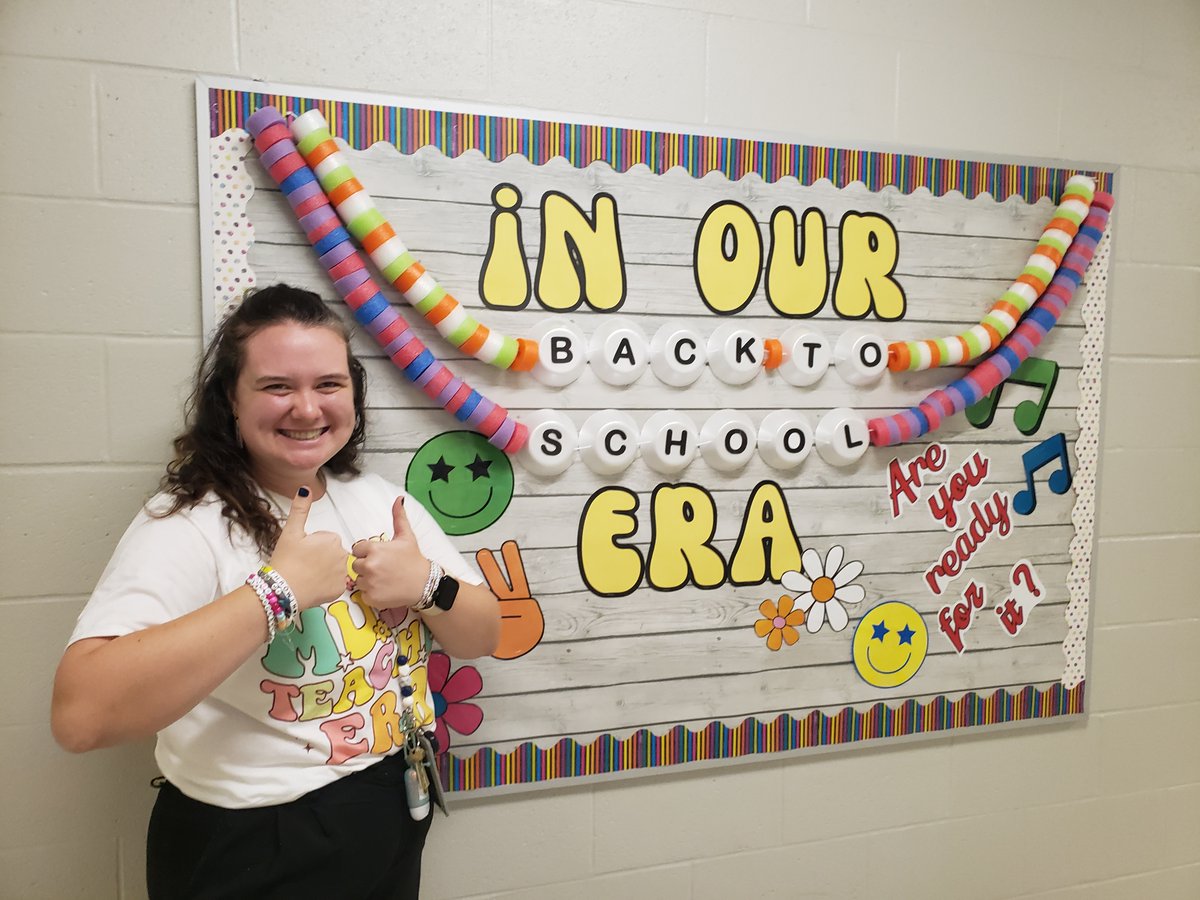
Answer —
1048 451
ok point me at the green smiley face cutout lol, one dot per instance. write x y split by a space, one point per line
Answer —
464 482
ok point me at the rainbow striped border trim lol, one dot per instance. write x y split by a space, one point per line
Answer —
643 749
362 124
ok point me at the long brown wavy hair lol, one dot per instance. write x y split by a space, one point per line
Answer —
208 454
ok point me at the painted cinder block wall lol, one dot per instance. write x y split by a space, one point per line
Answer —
100 322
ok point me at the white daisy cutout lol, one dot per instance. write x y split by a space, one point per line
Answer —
822 590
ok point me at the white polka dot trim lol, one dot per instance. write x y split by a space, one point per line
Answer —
229 228
1087 452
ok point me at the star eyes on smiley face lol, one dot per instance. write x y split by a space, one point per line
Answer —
462 481
904 635
883 660
479 468
440 470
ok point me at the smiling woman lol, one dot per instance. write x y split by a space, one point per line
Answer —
247 543
293 404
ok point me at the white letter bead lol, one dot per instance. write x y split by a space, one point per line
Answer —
727 440
806 355
677 355
619 352
785 438
553 440
842 437
562 352
861 358
608 441
735 354
669 441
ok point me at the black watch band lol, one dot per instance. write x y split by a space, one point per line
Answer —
445 593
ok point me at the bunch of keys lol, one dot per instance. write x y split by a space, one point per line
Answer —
421 776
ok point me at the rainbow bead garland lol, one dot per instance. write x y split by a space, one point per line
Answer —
985 337
358 289
319 198
377 237
927 416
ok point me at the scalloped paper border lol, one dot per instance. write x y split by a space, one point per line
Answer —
529 764
539 140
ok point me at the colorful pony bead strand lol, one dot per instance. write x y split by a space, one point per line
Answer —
999 322
378 239
910 424
358 289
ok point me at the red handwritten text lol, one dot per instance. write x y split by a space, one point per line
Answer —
943 503
957 619
990 517
907 483
1012 616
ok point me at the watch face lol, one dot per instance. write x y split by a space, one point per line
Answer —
447 590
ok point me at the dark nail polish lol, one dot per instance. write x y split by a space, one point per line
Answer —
304 492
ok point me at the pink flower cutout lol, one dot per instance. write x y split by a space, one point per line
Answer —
450 691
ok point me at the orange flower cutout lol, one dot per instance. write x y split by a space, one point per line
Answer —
778 622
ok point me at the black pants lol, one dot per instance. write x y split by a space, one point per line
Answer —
353 838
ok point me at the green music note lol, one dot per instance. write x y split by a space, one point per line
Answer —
1028 415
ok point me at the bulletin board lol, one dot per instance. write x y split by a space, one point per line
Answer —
764 447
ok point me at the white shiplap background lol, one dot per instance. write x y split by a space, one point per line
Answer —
611 665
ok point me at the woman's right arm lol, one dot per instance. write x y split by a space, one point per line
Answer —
113 689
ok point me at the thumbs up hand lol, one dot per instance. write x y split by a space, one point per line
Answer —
313 565
391 574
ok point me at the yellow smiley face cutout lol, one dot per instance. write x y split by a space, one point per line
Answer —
890 644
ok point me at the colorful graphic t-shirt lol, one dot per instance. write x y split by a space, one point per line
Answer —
319 702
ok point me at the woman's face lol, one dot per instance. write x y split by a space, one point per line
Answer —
294 402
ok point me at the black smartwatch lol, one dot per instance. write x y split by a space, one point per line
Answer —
445 592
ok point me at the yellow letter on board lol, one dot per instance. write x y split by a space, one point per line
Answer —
608 568
870 250
727 261
685 519
504 281
580 261
768 541
797 282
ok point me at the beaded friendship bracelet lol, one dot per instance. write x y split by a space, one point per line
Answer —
426 603
278 601
260 588
282 590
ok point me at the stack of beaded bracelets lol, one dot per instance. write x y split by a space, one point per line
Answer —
426 603
278 601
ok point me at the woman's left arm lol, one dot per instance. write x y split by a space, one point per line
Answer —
471 627
392 574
